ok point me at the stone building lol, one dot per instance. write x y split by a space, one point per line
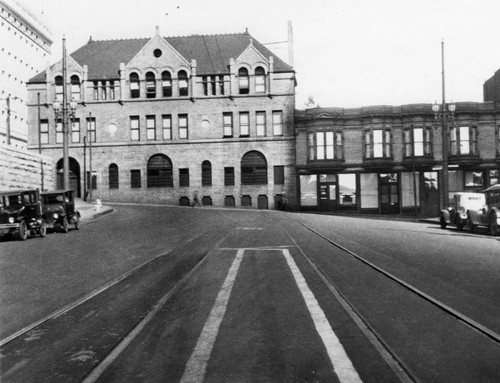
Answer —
168 117
491 88
388 159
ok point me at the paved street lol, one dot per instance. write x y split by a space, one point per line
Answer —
199 294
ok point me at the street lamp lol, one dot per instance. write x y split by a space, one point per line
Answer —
63 112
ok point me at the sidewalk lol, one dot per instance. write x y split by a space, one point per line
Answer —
90 211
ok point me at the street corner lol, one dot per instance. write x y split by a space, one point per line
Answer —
90 211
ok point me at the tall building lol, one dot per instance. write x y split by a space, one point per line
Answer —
491 88
25 45
168 117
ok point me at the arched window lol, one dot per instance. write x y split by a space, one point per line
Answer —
150 85
58 81
159 171
134 86
253 169
243 81
206 173
183 83
260 80
113 176
75 88
166 83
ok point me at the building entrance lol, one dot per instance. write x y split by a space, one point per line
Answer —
74 176
327 186
389 193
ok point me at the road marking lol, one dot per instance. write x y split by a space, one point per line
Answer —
341 363
197 364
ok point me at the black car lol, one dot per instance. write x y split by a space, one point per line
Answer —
21 214
59 210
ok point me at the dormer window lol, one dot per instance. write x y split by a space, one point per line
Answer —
75 88
243 81
134 85
150 85
166 84
183 83
260 80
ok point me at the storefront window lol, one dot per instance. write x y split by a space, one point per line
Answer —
308 190
369 190
347 189
493 177
410 189
473 179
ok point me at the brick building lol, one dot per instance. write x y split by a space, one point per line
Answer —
168 117
491 88
388 159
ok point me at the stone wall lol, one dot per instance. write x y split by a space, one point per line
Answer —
20 169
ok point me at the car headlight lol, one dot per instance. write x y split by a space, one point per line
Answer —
56 215
11 219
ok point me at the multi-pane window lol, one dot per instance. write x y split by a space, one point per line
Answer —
44 131
75 88
166 84
493 176
474 178
150 128
134 85
75 130
59 88
209 85
377 143
96 90
91 135
260 80
183 126
134 128
229 176
325 145
221 85
243 81
463 140
279 175
113 176
418 142
253 169
278 123
206 173
111 90
135 178
167 126
244 124
159 171
184 177
59 132
183 83
150 85
227 124
103 91
260 118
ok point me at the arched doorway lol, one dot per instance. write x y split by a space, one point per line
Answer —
74 176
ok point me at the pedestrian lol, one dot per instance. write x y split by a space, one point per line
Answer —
195 199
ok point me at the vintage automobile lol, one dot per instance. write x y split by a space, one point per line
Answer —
21 214
59 210
489 214
458 212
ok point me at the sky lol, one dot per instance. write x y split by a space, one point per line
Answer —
346 53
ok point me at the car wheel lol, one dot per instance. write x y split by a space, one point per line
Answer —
77 222
494 229
470 225
22 234
442 221
43 229
65 225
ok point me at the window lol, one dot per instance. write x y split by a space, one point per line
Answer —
493 176
184 177
260 80
150 128
279 175
103 91
206 173
75 88
166 84
253 169
418 142
463 140
377 143
228 124
59 132
75 130
167 126
243 81
150 85
221 85
183 83
134 85
261 123
209 85
229 176
278 123
44 131
113 176
159 171
59 88
91 134
474 179
183 126
244 124
325 145
135 179
134 128
111 90
96 90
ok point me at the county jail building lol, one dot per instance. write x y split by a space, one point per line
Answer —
388 159
168 117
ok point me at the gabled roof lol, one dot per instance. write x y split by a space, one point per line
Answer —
211 52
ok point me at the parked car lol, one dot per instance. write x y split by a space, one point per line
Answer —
21 214
59 210
489 214
458 212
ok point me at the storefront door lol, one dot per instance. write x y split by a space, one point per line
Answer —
328 192
389 193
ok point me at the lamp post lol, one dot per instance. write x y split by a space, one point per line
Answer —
443 114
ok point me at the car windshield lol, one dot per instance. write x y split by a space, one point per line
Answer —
53 199
11 201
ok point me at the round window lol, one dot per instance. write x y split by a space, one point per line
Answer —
157 52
